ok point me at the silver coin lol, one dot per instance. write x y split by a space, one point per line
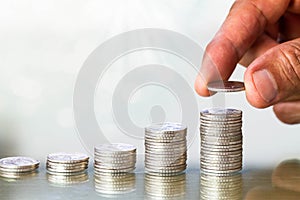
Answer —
226 86
115 148
166 127
18 162
63 157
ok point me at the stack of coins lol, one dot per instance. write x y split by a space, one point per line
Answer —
67 163
18 167
165 187
114 183
165 148
114 158
221 187
221 141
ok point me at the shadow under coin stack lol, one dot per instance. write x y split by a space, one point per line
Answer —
18 167
67 168
165 148
221 141
113 168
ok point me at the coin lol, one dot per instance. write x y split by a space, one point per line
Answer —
115 148
226 86
67 157
18 162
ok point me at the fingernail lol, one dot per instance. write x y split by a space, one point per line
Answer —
265 84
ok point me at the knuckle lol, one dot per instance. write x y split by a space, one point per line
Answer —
290 58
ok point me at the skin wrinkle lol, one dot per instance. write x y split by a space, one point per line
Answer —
265 22
297 54
258 25
249 35
290 68
232 47
287 61
297 57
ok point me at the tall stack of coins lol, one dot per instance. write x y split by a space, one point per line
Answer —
67 163
18 167
228 187
114 158
165 148
221 141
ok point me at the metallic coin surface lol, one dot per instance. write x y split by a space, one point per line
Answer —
165 148
18 162
115 148
226 86
67 157
221 140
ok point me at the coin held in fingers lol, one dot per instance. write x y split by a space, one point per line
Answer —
226 86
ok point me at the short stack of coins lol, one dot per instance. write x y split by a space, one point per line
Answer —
227 187
114 158
221 141
67 163
165 148
18 167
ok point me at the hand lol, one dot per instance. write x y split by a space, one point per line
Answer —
252 35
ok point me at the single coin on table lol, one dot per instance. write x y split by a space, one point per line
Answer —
226 86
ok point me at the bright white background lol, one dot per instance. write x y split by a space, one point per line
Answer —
43 45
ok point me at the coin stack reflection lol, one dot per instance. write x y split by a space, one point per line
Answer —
165 148
165 187
228 187
114 183
67 164
221 141
18 167
63 180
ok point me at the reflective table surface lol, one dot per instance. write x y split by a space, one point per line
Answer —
281 182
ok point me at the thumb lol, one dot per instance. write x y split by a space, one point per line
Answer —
275 76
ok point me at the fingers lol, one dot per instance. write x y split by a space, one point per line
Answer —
245 23
294 6
275 76
268 192
290 27
261 45
288 112
286 175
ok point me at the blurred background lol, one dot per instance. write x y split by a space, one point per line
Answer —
44 44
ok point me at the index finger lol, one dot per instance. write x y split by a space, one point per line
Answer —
246 21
